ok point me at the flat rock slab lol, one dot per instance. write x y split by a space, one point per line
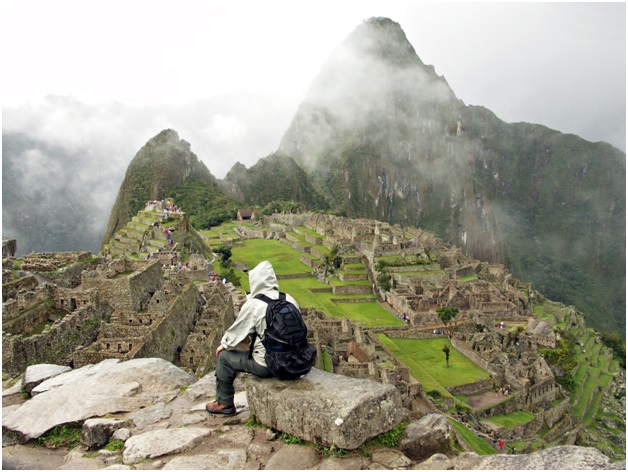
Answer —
36 374
93 391
555 458
326 409
162 442
227 459
293 457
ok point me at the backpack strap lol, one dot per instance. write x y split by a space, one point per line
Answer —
267 299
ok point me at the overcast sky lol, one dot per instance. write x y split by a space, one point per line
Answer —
229 75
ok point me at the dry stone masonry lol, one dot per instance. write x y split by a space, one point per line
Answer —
134 301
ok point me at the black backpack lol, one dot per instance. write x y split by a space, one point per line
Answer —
288 354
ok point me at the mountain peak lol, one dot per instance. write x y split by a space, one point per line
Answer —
383 38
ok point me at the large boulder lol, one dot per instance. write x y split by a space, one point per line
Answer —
93 391
325 408
429 435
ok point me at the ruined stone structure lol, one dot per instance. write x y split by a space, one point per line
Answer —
427 274
125 308
72 308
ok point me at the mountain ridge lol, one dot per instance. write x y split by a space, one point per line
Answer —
381 135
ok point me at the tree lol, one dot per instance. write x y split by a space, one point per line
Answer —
332 262
446 351
446 314
224 252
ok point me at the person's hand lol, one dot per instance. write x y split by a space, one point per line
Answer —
219 348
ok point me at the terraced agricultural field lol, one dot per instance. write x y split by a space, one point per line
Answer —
306 289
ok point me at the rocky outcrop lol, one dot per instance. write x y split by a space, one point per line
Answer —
560 457
168 428
328 409
95 391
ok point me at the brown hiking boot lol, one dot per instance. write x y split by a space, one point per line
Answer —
216 408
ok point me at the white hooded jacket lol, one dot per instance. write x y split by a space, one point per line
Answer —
252 317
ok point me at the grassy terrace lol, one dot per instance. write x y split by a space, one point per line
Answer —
513 419
426 361
306 231
477 444
305 289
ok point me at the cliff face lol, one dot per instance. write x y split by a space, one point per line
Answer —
161 166
382 136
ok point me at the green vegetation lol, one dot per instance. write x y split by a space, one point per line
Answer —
253 421
305 288
114 445
427 358
326 361
391 438
513 419
446 314
290 439
61 436
477 444
614 342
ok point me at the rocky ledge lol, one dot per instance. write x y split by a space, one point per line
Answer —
155 412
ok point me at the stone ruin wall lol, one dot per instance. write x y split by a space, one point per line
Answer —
289 219
148 334
496 371
198 353
70 299
51 261
14 287
21 322
56 345
33 304
174 328
129 292
26 307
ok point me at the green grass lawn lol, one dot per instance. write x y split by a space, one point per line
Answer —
477 444
433 374
512 419
286 261
587 390
428 353
591 411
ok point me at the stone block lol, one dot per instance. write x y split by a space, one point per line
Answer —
326 409
96 432
425 437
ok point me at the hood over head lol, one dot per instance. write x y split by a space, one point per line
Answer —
262 278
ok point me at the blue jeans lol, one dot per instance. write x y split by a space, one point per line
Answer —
228 365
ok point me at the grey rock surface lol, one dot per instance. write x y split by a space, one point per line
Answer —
226 459
94 391
36 374
162 442
190 438
555 458
96 432
425 437
325 408
293 457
